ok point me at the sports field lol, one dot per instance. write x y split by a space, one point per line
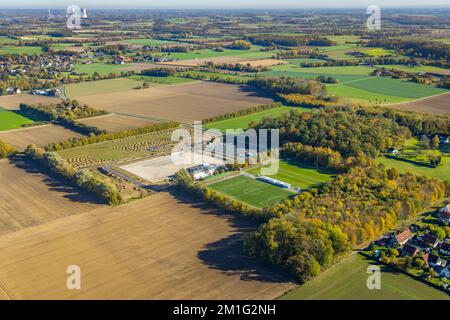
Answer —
12 120
298 174
250 191
348 281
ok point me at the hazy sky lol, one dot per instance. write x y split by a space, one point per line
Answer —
215 3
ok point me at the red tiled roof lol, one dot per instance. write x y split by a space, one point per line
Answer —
404 236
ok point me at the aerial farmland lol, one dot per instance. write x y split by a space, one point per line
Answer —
224 155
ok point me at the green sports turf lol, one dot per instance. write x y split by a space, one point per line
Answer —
348 281
251 191
298 174
11 120
244 121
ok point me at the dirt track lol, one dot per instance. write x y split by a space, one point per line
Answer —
157 248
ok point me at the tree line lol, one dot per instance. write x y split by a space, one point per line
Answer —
316 228
6 150
81 178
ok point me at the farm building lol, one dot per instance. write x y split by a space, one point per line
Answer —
202 171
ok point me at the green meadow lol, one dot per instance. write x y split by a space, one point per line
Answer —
356 83
12 120
348 281
28 50
244 122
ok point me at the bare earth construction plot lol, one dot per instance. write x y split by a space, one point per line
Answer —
157 248
39 135
183 103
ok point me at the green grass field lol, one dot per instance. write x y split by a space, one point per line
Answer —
12 120
21 50
101 68
347 281
171 80
244 121
395 87
379 52
150 42
356 83
442 172
298 174
250 191
253 53
412 69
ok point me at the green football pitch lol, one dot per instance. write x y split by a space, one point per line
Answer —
251 191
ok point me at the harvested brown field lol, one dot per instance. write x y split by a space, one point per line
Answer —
183 103
116 122
39 135
143 66
439 104
201 61
161 247
13 101
29 197
264 62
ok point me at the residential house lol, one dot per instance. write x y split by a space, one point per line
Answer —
410 250
445 248
430 240
122 60
445 272
426 258
436 261
404 237
445 213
